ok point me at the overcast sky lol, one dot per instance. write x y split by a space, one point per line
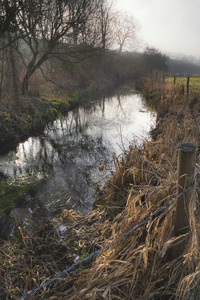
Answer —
168 25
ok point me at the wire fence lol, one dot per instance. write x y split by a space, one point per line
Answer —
188 82
95 253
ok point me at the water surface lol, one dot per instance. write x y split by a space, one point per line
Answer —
75 153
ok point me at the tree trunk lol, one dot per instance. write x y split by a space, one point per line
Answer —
103 41
32 67
75 36
13 70
2 74
25 83
120 48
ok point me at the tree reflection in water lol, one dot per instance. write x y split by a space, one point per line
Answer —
65 159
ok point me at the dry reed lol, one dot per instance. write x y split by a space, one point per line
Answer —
141 266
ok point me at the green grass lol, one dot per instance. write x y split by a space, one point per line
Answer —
194 84
11 195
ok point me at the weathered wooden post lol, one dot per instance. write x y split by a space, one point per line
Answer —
186 170
163 78
188 86
174 79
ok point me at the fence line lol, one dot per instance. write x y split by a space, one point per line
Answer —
65 272
185 86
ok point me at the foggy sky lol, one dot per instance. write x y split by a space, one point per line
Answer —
168 25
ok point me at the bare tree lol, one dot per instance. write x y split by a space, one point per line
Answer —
105 19
47 26
13 68
42 31
8 25
126 31
81 13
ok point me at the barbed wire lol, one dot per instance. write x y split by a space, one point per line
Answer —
95 253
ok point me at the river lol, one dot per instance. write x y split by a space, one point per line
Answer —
63 166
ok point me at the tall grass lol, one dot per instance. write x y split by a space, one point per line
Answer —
141 266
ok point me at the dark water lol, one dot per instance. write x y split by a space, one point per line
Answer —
67 161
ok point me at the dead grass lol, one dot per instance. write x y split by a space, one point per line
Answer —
139 266
32 259
194 83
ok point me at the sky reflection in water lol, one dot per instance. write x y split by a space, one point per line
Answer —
68 155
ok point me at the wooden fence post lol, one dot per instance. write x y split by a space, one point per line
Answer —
188 85
174 79
163 78
186 169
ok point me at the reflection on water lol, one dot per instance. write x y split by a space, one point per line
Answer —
68 154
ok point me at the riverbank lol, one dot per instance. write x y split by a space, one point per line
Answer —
51 96
78 147
28 115
139 266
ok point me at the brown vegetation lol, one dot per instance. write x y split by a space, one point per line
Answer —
139 266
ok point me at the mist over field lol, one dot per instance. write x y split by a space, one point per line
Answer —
171 26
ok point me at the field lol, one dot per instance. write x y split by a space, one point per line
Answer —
194 83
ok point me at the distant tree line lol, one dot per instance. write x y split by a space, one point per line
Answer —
154 59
